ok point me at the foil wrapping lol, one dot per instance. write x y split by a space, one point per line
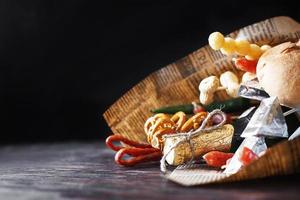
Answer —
268 120
256 144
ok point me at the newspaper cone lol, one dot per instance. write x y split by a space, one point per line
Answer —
178 83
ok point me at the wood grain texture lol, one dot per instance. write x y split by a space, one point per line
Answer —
87 171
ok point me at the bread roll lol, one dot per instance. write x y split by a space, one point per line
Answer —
278 72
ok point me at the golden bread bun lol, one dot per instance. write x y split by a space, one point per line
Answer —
278 72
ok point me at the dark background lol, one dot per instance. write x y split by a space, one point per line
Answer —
62 63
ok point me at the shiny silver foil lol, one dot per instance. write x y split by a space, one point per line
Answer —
252 90
256 144
295 134
268 120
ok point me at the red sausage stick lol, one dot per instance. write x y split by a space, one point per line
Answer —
139 152
118 138
138 155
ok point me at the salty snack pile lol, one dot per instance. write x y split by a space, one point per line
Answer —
224 135
161 124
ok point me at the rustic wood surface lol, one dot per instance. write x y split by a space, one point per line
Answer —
87 171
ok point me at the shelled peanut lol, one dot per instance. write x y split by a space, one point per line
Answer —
228 81
229 46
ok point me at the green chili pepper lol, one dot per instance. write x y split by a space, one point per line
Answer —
229 106
186 108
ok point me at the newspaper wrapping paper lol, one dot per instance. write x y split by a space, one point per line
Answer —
252 90
276 161
178 82
268 120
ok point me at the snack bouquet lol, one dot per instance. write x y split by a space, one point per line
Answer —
227 112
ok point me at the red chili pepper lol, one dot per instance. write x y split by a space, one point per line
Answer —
246 65
247 156
217 158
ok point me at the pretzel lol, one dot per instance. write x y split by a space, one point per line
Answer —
154 120
179 119
151 121
161 124
157 137
194 122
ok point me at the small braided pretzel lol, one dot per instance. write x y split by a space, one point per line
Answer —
179 119
151 121
157 138
194 122
161 124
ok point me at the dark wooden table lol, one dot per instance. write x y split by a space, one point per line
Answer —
87 171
